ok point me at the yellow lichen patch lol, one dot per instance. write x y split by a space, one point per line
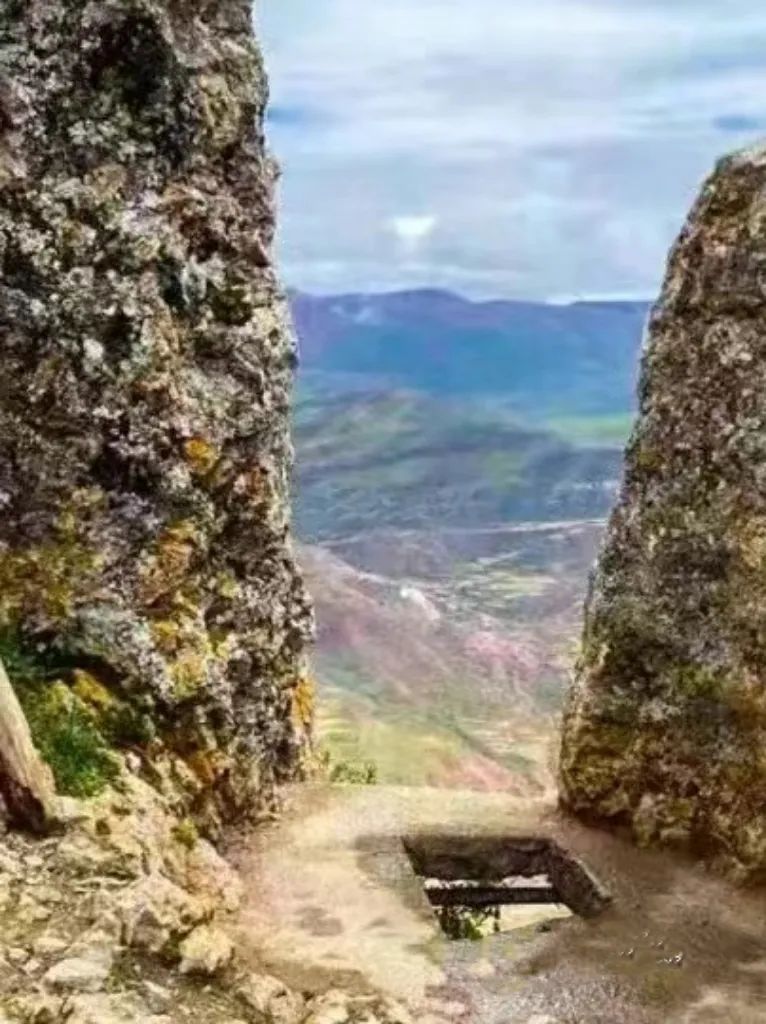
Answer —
222 110
44 579
166 633
208 765
165 570
91 690
187 646
188 672
201 455
185 833
304 702
647 458
227 586
752 543
747 698
107 180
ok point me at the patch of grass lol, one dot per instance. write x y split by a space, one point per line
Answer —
406 746
64 729
185 833
67 737
353 773
467 923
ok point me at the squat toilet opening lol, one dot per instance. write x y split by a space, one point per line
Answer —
481 886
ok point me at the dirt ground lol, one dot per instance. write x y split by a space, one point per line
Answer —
332 899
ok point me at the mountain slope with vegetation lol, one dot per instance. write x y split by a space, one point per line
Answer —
372 459
455 461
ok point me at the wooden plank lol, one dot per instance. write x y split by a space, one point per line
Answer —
26 783
491 896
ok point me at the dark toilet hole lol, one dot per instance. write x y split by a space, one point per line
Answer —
481 886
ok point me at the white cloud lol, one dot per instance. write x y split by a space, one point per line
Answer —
412 231
555 144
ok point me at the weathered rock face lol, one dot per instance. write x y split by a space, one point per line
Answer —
666 727
146 369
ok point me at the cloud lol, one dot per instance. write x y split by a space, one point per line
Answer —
412 231
502 147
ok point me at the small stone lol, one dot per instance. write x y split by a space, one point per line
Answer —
50 944
155 911
40 1009
120 1008
331 1008
207 950
482 969
393 1012
70 811
9 864
48 894
158 998
81 974
272 998
337 1007
30 909
98 941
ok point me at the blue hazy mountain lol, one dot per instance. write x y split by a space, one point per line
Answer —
541 360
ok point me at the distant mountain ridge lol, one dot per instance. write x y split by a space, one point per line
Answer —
542 359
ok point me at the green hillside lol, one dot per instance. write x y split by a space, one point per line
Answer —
380 458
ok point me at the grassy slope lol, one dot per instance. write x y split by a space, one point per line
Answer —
370 459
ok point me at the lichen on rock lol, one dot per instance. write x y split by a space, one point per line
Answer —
147 366
666 725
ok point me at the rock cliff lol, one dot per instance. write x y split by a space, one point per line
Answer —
147 587
666 726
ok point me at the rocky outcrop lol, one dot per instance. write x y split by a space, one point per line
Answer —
125 918
666 727
147 365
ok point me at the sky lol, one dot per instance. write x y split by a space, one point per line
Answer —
538 149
